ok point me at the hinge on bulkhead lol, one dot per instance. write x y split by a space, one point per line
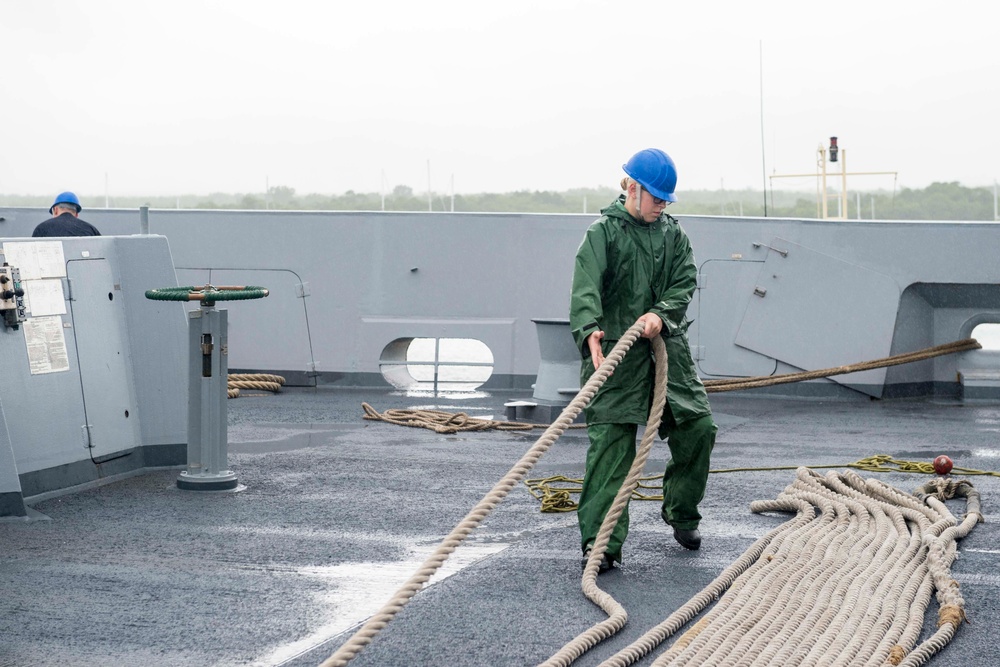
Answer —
302 290
758 244
700 281
698 352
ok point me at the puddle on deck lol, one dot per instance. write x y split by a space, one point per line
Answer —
358 590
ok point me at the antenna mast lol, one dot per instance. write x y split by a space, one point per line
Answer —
837 154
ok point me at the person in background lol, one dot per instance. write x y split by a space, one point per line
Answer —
636 263
65 220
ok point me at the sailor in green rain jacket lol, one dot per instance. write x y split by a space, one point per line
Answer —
636 262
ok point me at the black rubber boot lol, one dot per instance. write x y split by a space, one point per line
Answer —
689 539
606 564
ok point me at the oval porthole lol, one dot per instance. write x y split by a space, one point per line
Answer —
436 364
988 335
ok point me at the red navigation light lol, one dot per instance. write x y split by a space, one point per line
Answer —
833 149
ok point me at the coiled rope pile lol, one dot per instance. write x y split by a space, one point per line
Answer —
852 583
259 381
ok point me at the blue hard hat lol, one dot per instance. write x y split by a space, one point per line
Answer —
66 198
655 171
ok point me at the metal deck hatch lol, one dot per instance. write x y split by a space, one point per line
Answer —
105 369
724 287
815 311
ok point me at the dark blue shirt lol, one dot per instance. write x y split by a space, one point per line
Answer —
65 225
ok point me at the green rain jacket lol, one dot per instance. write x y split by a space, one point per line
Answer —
624 269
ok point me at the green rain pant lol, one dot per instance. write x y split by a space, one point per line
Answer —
609 458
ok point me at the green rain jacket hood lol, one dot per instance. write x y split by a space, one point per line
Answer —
624 269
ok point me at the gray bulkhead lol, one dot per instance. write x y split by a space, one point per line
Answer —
95 380
774 296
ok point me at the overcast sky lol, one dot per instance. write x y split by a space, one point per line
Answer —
182 97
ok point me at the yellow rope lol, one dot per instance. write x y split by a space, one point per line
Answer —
555 492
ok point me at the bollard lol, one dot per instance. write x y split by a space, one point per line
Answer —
558 378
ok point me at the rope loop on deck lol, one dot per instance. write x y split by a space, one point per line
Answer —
441 422
448 422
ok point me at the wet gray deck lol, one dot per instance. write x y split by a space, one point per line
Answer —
337 512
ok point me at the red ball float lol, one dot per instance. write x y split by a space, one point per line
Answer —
943 465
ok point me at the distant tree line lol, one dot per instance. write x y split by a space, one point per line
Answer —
938 201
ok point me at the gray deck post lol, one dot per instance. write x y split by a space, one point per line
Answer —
208 440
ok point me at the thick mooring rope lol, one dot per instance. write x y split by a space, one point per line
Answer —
376 623
851 584
733 384
447 422
617 616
